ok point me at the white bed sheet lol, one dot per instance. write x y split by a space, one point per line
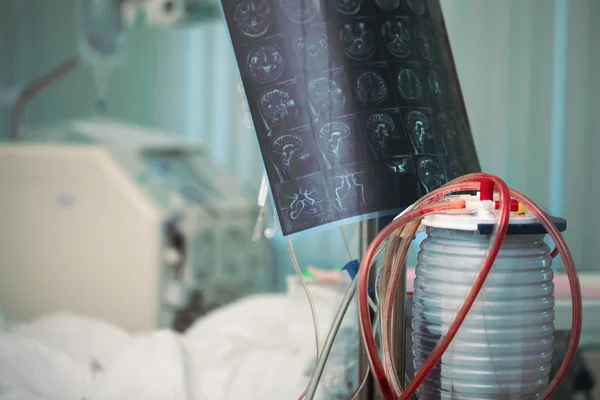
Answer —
261 347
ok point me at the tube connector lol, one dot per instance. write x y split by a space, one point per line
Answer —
486 190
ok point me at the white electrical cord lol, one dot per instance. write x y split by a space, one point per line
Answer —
333 331
311 300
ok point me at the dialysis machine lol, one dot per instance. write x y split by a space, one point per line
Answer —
121 222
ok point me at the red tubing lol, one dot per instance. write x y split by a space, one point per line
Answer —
575 288
363 287
496 243
425 206
486 191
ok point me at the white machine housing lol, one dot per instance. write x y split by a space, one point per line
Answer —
88 217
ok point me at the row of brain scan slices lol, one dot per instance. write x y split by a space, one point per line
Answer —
254 18
341 143
357 39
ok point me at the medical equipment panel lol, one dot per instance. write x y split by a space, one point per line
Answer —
123 223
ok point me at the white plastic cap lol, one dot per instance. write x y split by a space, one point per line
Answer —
476 212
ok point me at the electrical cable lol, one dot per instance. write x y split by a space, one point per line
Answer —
333 332
331 335
309 296
361 386
415 213
363 382
335 326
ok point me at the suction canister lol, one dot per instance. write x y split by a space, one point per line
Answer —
503 350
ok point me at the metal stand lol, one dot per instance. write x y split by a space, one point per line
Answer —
368 231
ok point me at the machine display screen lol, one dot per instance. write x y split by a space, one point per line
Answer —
178 169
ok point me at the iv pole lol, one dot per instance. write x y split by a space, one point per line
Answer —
34 88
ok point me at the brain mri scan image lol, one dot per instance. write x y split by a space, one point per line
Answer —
312 51
426 43
265 64
436 85
397 169
358 40
286 152
298 11
447 133
455 170
431 174
326 97
349 191
388 5
371 88
379 127
278 108
419 129
304 203
348 7
416 6
253 17
397 182
397 38
332 138
409 85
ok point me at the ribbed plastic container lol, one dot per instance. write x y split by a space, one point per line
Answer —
503 350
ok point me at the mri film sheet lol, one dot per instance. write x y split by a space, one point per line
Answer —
356 104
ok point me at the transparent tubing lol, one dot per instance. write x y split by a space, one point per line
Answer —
365 323
363 283
468 183
388 305
389 273
576 300
311 389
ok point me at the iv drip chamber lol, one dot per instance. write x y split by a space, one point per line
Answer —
101 42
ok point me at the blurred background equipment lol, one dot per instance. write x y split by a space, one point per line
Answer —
121 222
101 40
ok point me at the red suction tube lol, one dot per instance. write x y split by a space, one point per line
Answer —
386 380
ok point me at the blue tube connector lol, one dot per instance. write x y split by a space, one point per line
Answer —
352 268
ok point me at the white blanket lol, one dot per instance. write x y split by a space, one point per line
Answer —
261 347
